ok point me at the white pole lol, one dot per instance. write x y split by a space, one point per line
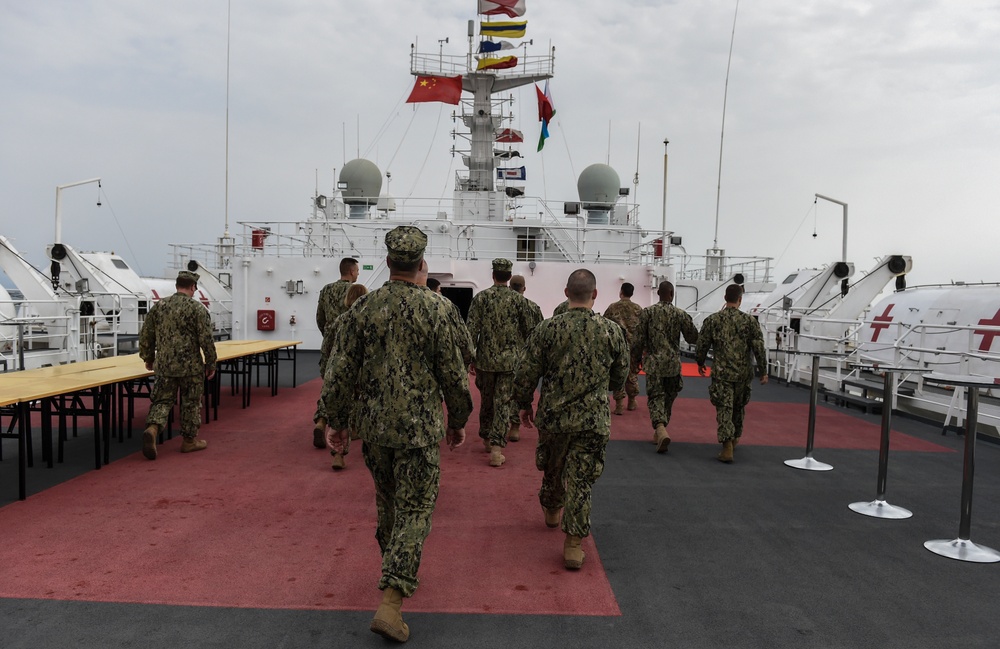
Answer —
844 205
59 189
664 228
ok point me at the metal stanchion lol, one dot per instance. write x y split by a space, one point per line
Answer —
807 463
962 548
879 508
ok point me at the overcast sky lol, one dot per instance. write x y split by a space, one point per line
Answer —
892 107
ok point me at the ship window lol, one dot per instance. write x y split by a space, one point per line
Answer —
790 278
119 263
526 246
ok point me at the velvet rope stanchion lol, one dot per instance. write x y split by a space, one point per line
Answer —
962 548
879 508
807 463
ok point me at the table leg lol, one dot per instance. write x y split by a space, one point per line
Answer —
23 430
47 451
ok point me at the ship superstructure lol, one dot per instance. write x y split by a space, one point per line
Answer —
279 267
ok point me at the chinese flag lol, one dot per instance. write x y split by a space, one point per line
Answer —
444 89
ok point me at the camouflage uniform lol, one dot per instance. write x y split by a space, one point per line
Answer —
626 314
500 321
399 348
465 345
733 336
562 307
657 343
536 319
175 334
329 307
329 340
578 356
536 313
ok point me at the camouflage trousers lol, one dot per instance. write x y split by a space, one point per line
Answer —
730 398
495 391
631 387
514 416
662 391
320 407
164 394
406 488
320 410
572 463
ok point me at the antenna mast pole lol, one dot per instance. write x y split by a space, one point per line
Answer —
725 96
664 226
229 23
635 179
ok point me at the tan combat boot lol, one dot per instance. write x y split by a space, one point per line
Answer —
631 403
319 433
496 456
661 438
727 452
338 462
553 516
149 441
572 552
619 406
388 621
192 444
514 434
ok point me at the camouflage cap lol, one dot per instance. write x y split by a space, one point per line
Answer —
502 265
405 243
188 276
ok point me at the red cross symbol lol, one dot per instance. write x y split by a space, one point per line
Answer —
881 322
988 335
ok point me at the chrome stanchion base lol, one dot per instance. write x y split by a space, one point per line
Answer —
809 464
880 509
963 550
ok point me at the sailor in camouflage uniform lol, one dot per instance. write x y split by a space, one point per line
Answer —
518 284
733 336
500 321
626 313
176 334
465 339
328 308
398 348
339 452
657 343
578 356
562 307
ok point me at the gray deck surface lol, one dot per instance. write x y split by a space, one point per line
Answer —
699 555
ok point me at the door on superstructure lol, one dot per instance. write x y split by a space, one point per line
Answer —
461 296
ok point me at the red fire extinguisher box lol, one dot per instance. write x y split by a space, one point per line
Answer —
265 320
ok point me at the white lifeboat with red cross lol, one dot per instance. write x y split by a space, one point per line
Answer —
953 329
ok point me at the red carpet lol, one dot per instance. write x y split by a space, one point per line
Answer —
767 424
259 520
690 369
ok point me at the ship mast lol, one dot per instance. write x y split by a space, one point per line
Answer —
482 115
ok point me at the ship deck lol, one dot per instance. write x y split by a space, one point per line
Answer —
257 543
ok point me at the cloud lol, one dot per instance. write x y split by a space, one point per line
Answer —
892 107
